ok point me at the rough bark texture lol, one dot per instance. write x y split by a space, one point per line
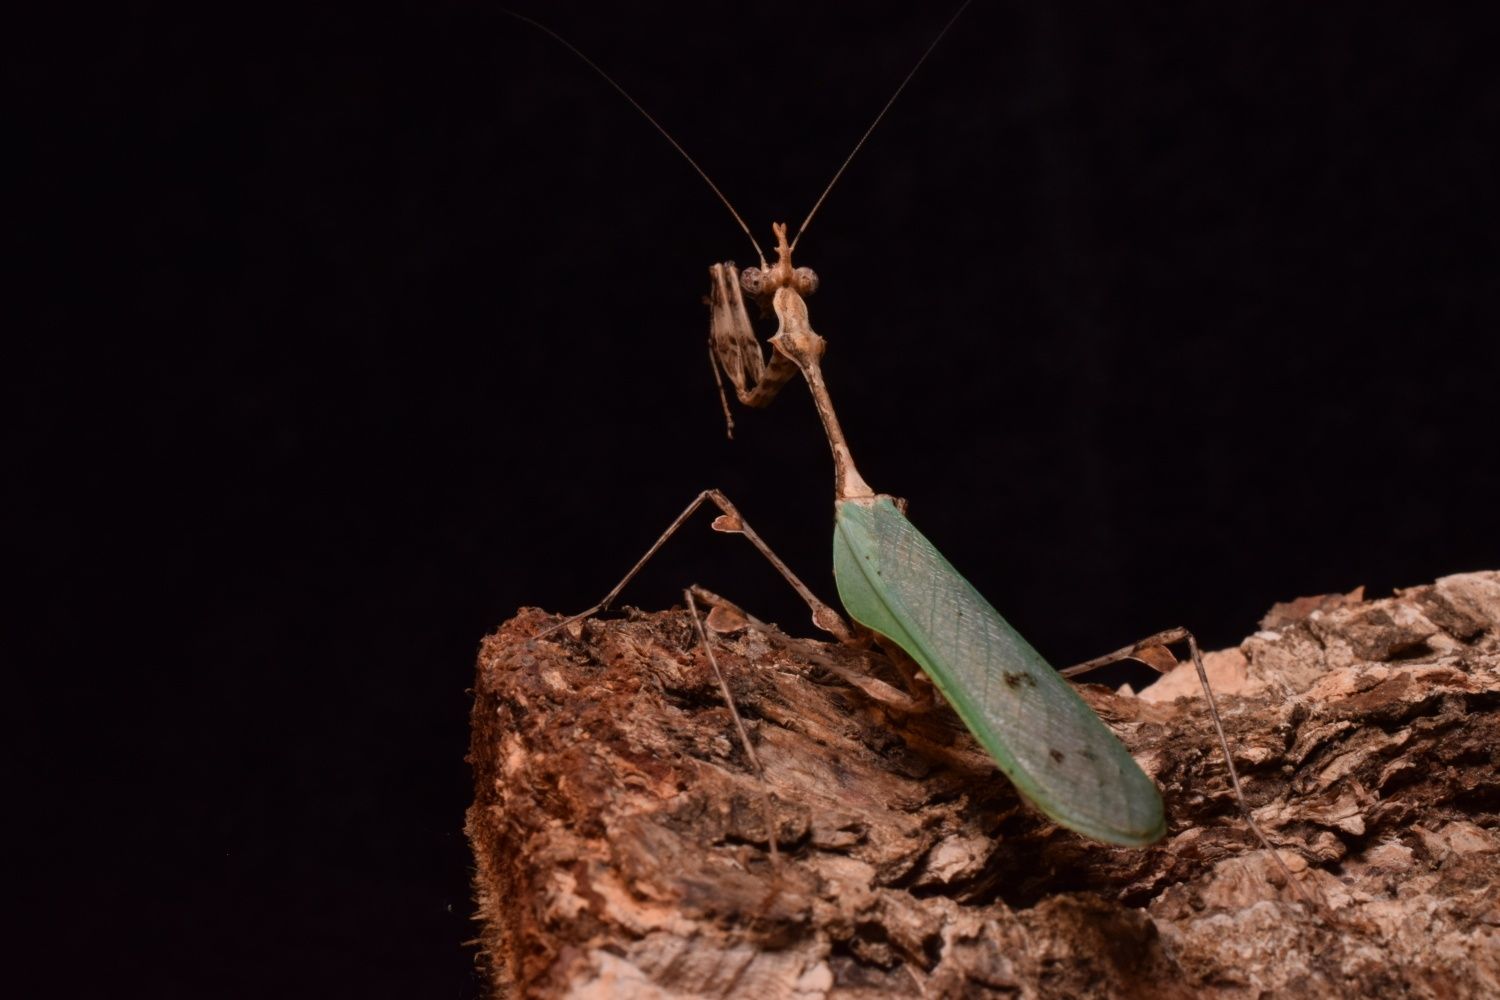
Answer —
621 836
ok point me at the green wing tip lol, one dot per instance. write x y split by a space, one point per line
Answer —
885 569
1126 839
1110 834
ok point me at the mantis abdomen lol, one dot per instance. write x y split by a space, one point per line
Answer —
1041 734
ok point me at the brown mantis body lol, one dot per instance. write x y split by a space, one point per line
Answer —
756 380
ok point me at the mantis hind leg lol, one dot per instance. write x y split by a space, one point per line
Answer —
922 698
1153 651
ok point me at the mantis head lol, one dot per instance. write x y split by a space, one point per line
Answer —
762 283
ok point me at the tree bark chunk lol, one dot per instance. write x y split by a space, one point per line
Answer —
622 837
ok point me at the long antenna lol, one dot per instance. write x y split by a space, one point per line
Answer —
860 144
656 124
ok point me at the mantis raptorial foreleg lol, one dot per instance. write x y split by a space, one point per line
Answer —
732 344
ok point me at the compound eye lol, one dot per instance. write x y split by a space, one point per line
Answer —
753 281
805 280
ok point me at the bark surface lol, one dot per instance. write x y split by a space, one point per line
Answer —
622 838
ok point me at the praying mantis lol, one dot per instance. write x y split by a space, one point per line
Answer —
897 588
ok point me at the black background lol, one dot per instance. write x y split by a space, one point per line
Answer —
344 333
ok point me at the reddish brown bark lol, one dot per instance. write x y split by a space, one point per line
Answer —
621 837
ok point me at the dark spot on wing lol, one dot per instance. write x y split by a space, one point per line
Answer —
1057 755
1088 754
1016 678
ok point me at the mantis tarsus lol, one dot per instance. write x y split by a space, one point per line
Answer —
894 584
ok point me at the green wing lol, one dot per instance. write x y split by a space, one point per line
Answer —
1041 733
